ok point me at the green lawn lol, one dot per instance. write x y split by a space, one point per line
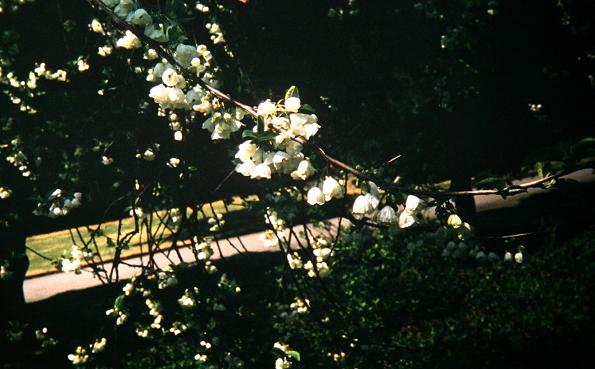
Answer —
54 245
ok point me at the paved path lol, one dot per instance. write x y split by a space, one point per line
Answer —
43 287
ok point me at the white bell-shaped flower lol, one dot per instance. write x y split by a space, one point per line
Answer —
184 55
315 196
279 158
139 17
292 104
331 189
246 151
365 204
266 108
261 171
303 171
406 219
128 41
387 215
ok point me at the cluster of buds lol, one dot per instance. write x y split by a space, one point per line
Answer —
187 301
72 264
42 336
166 279
80 356
61 204
120 314
154 311
300 306
216 222
18 158
287 356
204 249
177 328
321 253
271 237
5 192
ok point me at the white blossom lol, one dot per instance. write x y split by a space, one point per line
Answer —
387 215
171 78
124 7
315 196
332 189
365 204
96 26
185 54
139 17
266 108
508 256
407 216
261 171
128 41
292 104
269 239
246 168
304 125
246 151
156 33
99 345
303 171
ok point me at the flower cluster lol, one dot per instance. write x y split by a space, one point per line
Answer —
287 356
42 336
72 264
61 205
5 272
300 306
204 249
128 10
216 222
291 130
18 158
216 34
80 356
518 256
187 300
5 192
120 314
463 229
155 311
166 279
322 252
368 205
331 188
462 249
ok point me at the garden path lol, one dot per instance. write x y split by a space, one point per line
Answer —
43 287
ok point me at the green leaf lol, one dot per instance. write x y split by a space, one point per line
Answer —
307 109
490 182
585 143
265 137
248 134
294 354
292 92
119 302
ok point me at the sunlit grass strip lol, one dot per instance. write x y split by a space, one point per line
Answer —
53 245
